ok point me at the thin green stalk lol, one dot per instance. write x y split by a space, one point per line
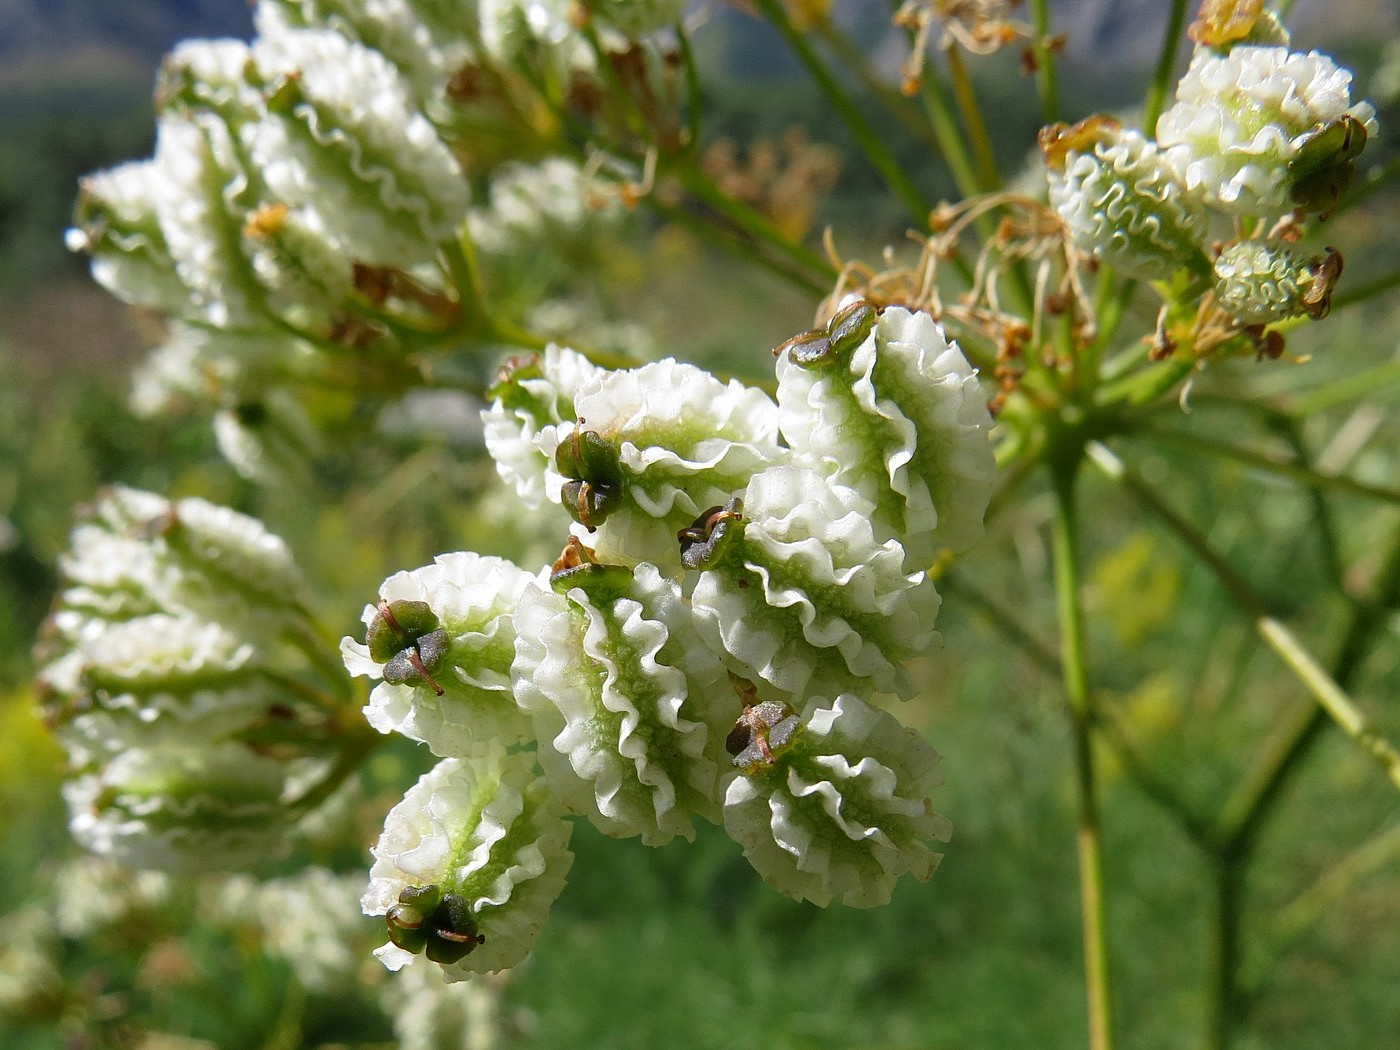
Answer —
945 130
1154 788
758 226
854 59
1366 291
1347 389
869 141
988 178
739 246
1379 852
1046 80
358 742
1296 471
1074 662
1226 1004
1166 66
1295 656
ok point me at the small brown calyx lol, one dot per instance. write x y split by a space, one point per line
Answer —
578 567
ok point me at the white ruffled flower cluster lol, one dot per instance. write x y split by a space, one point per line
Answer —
1257 131
1241 119
732 560
166 658
1120 202
302 220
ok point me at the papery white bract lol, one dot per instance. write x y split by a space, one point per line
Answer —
473 598
623 697
486 830
900 419
844 812
1240 117
805 594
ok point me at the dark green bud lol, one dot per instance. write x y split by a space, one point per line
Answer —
703 543
1323 168
577 567
426 920
588 456
406 638
850 327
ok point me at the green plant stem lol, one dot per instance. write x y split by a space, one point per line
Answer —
1368 381
1046 80
1295 656
866 137
358 742
1074 663
1153 787
1366 291
756 225
1301 472
945 130
853 58
1166 66
988 178
740 246
1381 850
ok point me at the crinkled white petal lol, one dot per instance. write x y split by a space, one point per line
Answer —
533 207
200 183
808 597
487 830
425 49
138 553
620 695
843 814
1123 203
354 152
512 432
182 809
1259 282
123 720
474 598
906 425
119 226
686 441
1238 119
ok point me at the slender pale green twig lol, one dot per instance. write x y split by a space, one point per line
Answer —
740 246
1295 656
1262 786
1155 788
753 223
854 59
1046 79
1345 391
1366 291
866 137
1212 447
945 130
988 178
1074 663
357 741
1381 850
1166 66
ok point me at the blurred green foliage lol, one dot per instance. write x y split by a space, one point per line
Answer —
682 946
